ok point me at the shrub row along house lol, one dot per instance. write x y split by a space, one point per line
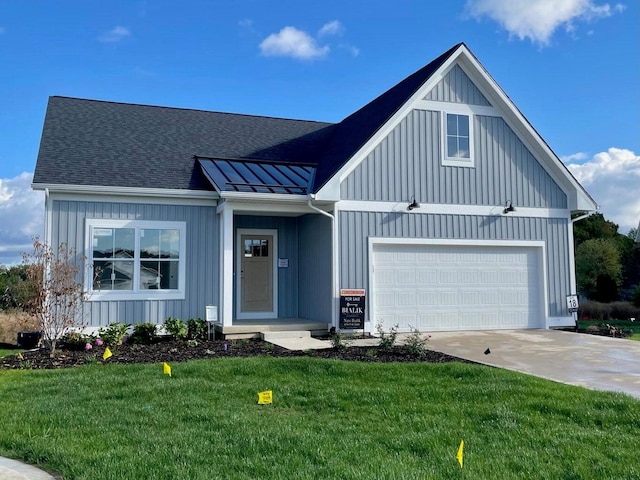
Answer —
438 198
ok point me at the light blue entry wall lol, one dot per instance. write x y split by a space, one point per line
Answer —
407 163
304 287
315 268
356 228
287 248
202 257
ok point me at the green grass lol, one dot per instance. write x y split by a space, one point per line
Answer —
626 325
6 351
329 420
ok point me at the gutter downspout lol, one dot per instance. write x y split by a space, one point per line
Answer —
334 259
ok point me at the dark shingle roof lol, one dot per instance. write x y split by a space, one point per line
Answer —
354 131
91 142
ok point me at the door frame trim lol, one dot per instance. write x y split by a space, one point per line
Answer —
274 258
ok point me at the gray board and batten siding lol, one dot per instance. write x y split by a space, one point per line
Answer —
357 227
202 274
407 163
315 268
457 87
304 286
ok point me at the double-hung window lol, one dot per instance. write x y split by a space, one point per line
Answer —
135 259
458 140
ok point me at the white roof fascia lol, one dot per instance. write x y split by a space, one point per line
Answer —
128 191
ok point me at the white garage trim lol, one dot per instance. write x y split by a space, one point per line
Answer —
539 246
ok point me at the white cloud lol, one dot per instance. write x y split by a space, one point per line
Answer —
574 156
331 28
537 20
116 34
291 42
245 23
21 217
354 51
612 178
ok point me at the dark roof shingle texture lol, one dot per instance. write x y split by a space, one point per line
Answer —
91 142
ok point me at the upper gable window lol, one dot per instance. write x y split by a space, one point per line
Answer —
458 140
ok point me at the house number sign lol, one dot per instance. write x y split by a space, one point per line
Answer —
572 303
352 308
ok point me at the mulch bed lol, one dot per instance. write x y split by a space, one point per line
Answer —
181 351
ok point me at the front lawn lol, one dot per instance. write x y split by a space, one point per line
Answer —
329 419
8 351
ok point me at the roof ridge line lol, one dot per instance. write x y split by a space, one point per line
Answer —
191 109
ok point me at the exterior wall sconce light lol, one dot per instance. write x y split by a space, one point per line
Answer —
508 207
413 204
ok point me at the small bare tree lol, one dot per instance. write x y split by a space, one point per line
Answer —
56 302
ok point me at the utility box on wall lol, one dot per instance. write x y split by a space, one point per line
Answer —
211 314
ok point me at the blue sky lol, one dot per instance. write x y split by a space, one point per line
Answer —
571 67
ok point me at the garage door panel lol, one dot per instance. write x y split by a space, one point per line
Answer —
446 287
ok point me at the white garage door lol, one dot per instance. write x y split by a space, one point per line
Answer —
456 287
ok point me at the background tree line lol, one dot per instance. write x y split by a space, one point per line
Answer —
607 262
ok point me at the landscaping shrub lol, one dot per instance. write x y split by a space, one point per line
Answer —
416 342
339 340
605 312
176 328
197 329
75 341
387 340
144 333
113 334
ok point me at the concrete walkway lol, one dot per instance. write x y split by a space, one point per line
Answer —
14 470
591 361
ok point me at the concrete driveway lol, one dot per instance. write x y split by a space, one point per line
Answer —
590 361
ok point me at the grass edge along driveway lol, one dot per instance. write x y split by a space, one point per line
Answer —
329 419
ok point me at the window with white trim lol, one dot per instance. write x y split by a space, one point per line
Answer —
458 140
135 259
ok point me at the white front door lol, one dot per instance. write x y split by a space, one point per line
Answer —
256 284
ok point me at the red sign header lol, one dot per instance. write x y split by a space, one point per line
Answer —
358 292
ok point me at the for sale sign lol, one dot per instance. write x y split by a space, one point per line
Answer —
352 301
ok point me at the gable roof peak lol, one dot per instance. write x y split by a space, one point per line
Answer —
355 130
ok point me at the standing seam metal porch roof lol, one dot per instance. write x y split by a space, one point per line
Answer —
229 175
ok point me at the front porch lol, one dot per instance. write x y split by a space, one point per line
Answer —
251 328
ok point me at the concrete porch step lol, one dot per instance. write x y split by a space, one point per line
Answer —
295 340
268 336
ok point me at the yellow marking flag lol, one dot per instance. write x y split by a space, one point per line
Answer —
459 454
20 357
265 398
107 353
166 368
